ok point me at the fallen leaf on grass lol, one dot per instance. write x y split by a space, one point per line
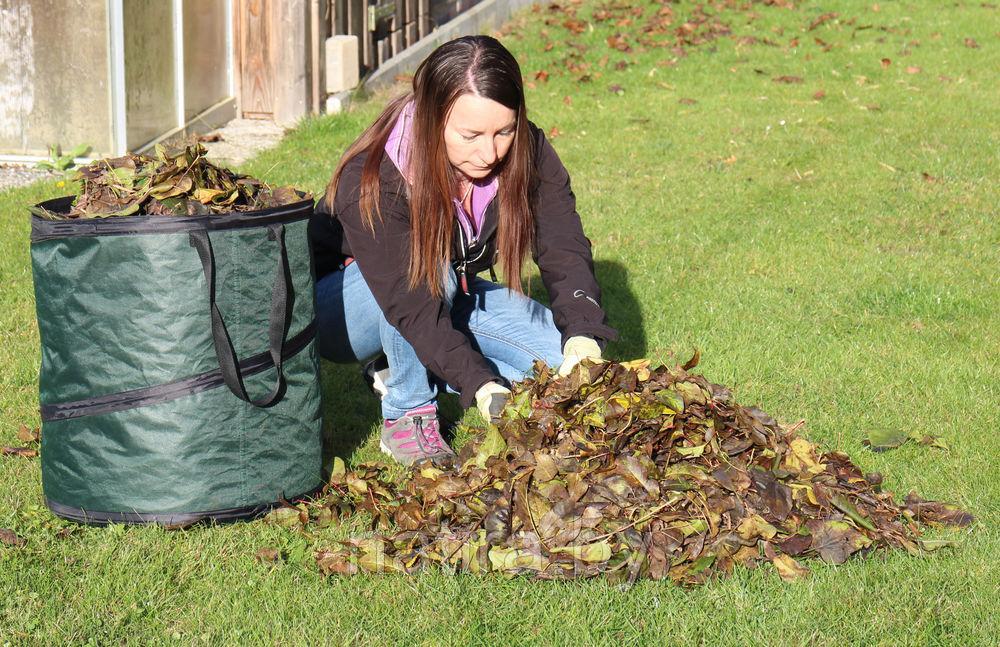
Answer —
913 69
928 177
819 95
787 79
10 538
554 132
542 75
930 545
616 89
971 43
619 42
24 452
886 63
822 19
686 101
788 569
27 435
885 439
691 363
265 555
935 512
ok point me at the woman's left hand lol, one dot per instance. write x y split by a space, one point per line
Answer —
491 399
576 349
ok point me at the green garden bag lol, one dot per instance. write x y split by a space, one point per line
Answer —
179 376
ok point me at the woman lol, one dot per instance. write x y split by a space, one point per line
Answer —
450 180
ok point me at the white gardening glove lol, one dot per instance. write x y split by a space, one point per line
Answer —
576 349
490 400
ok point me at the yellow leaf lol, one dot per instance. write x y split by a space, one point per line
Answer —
756 526
789 569
599 551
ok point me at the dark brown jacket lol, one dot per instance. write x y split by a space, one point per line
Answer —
561 251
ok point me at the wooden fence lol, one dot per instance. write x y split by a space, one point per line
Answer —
386 27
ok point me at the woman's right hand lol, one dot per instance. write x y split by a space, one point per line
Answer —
491 399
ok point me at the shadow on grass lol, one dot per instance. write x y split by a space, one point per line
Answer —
349 410
622 306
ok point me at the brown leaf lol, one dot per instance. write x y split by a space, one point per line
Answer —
835 541
619 42
928 177
268 555
775 494
687 101
335 563
542 75
10 538
796 544
24 452
691 363
823 18
935 512
971 43
787 79
886 63
913 69
819 95
28 435
554 132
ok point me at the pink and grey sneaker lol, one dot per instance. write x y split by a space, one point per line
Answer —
415 436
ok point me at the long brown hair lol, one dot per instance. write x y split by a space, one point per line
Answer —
477 65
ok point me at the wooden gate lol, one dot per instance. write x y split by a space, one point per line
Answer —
271 43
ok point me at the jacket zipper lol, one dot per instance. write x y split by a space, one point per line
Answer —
462 269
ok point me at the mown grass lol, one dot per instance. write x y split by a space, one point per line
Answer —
794 240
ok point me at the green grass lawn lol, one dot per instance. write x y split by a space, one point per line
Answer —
835 259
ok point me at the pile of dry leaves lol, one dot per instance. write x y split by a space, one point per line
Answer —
177 182
622 471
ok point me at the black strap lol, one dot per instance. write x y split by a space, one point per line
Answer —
169 391
280 319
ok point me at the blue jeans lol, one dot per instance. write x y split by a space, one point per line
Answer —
509 329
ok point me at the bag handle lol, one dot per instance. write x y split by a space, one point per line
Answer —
280 318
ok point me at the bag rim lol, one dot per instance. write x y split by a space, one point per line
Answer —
137 225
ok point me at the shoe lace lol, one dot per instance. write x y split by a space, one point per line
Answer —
427 434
